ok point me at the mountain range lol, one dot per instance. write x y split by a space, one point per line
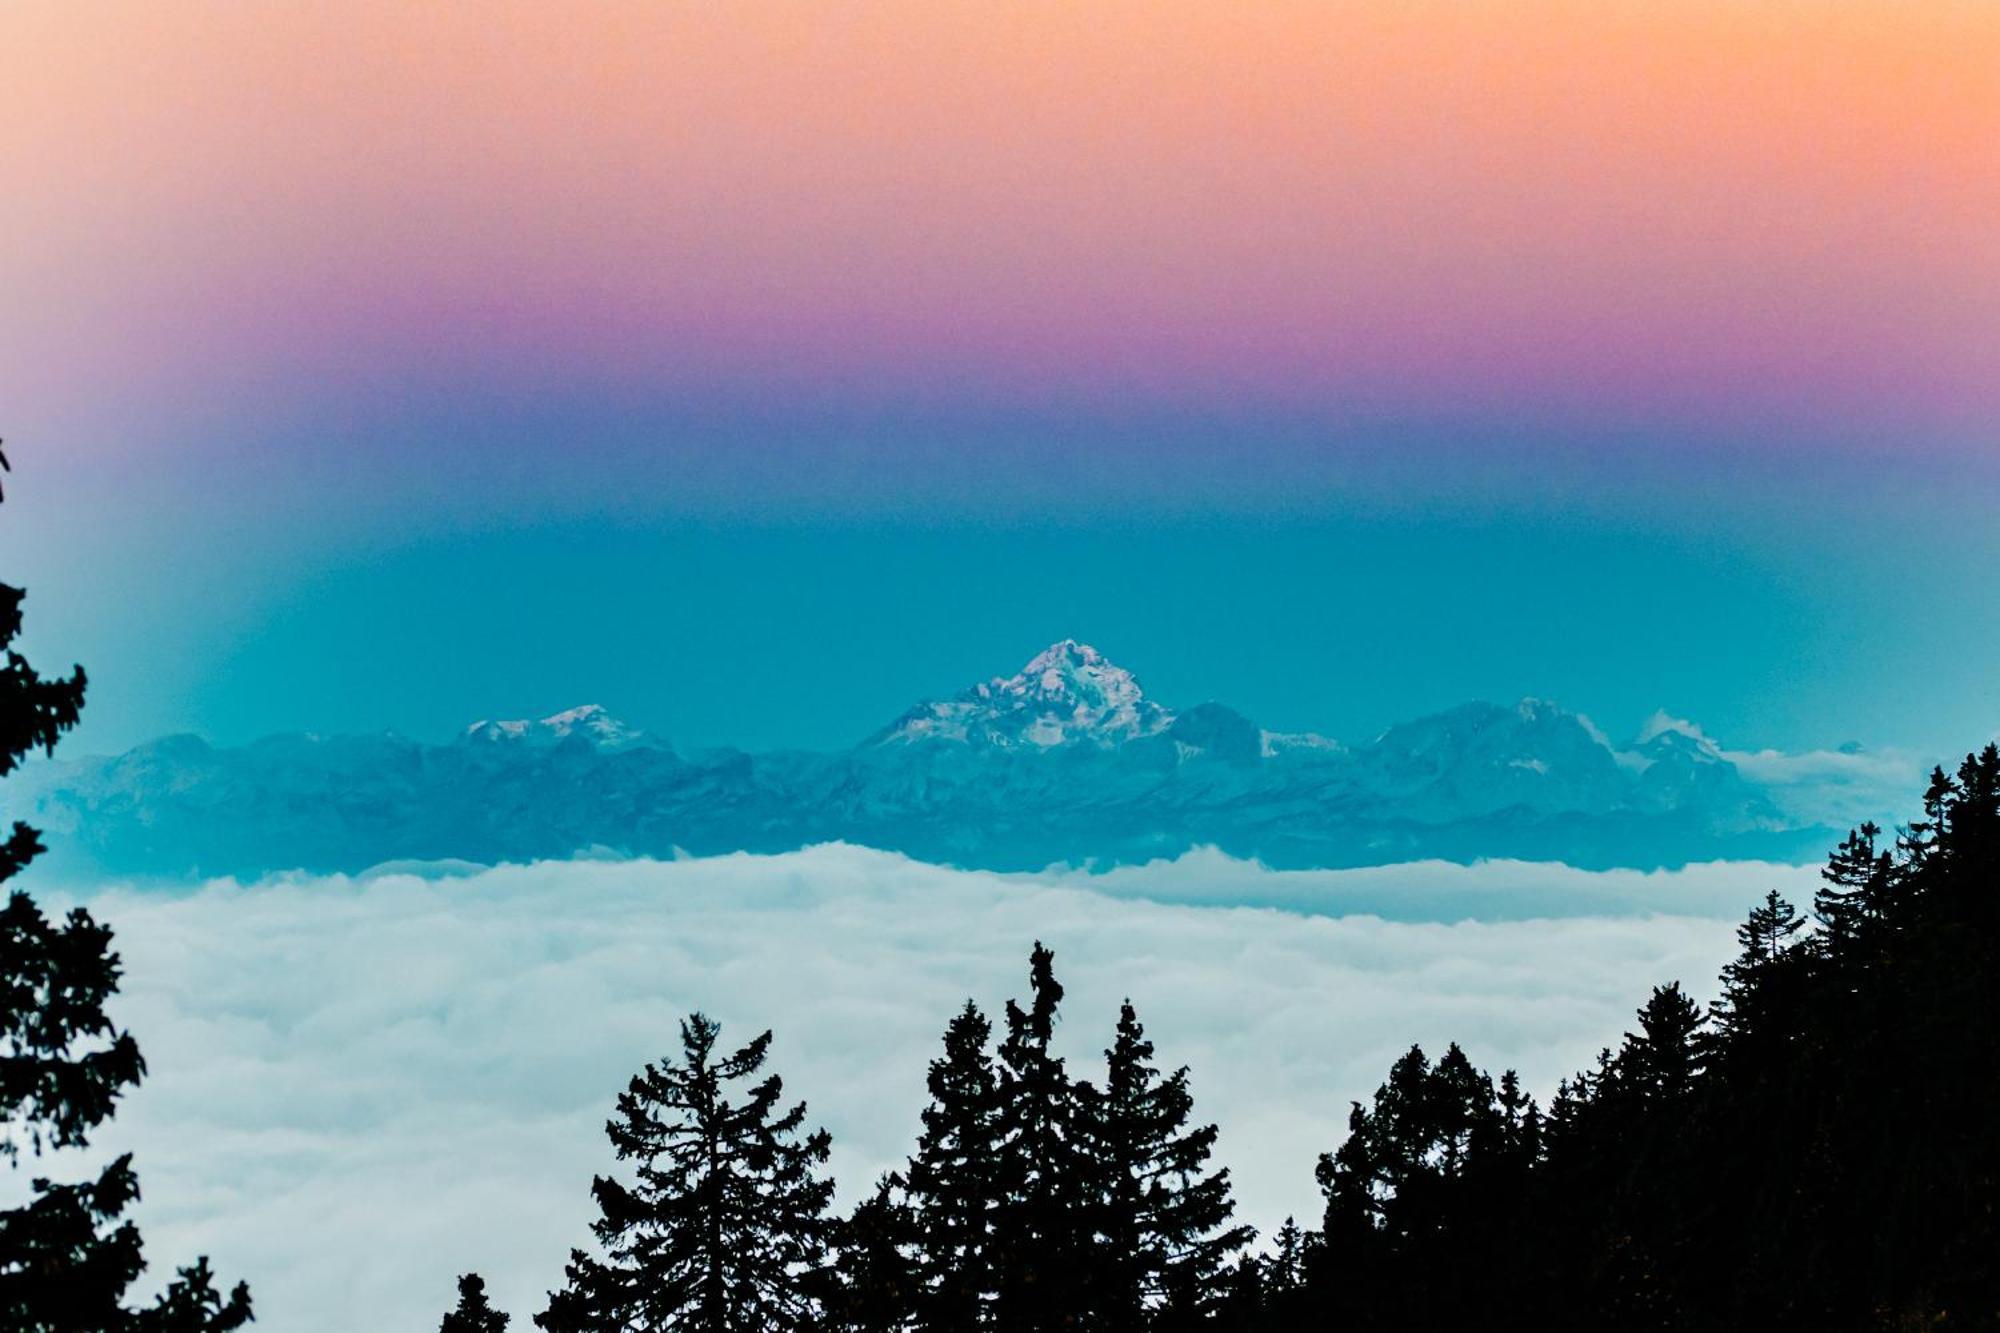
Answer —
1065 761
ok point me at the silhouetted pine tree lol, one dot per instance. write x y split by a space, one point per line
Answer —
66 1257
1285 1269
1405 1190
1046 1179
1764 972
725 1231
1851 900
873 1279
1659 1063
953 1182
474 1314
1650 1107
1164 1243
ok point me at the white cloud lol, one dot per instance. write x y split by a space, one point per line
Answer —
363 1087
1844 787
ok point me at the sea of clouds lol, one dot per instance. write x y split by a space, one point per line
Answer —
362 1087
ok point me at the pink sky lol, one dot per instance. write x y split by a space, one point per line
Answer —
1743 213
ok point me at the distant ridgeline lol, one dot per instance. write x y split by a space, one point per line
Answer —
1067 761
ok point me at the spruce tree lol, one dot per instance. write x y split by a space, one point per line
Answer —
474 1314
1850 901
68 1255
1285 1270
872 1284
725 1230
1658 1064
1046 1179
1164 1243
1754 983
952 1181
1407 1196
1520 1124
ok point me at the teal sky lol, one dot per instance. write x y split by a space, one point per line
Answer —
755 375
1789 599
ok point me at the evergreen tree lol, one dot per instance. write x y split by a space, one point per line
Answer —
952 1182
1405 1197
1659 1063
1519 1126
873 1280
725 1230
1921 837
1164 1245
474 1314
1046 1179
1285 1267
68 1255
1850 900
1754 984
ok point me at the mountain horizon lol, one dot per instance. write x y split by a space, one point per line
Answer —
1064 761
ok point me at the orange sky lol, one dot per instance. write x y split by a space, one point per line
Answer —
1723 206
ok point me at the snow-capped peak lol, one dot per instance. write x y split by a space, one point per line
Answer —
1683 733
1067 692
592 722
1074 673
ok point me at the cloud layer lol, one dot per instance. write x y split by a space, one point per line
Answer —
363 1087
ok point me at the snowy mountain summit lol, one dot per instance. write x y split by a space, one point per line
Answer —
1069 693
592 723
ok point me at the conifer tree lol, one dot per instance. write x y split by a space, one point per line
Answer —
1285 1267
1164 1243
474 1314
1850 900
1046 1181
872 1283
1520 1123
68 1255
952 1182
1753 984
1659 1063
1921 837
725 1230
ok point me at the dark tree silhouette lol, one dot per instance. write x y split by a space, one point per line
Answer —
1042 1241
474 1314
68 1256
873 1280
952 1181
726 1228
1164 1243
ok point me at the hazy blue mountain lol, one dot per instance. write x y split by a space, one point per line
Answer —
1067 760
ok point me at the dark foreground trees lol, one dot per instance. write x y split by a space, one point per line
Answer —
474 1313
725 1230
68 1254
1034 1200
1817 1149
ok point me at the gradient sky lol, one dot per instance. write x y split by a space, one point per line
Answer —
757 368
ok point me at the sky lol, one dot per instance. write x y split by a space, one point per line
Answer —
362 1088
756 370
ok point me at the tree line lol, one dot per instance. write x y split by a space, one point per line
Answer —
1816 1150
